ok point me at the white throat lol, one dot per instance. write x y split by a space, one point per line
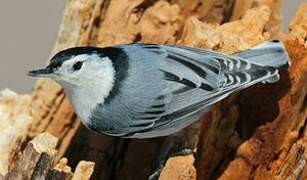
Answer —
95 87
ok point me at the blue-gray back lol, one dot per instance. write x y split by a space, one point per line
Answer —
167 88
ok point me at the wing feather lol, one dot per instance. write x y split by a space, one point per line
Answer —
196 79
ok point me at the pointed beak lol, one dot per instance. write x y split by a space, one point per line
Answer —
46 72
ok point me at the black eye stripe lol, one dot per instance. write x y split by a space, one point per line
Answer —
77 65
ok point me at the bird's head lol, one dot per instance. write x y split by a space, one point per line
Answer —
78 67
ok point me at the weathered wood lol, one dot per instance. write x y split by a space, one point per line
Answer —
60 171
179 168
258 133
83 171
36 159
15 122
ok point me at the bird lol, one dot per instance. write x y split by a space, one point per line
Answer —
143 90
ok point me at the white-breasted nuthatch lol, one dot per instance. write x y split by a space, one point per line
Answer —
150 90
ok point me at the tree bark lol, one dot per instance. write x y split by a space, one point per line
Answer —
258 133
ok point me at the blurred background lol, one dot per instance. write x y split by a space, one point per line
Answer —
28 31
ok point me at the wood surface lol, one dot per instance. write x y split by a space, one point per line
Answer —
258 133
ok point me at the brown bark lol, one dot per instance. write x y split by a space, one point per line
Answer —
14 127
258 133
60 171
37 159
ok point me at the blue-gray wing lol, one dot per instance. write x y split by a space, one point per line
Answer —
197 78
193 80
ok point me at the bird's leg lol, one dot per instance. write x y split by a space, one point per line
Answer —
167 150
182 152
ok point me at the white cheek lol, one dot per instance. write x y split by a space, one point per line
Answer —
94 84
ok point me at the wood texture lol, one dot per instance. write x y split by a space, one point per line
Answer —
258 133
14 127
60 171
36 159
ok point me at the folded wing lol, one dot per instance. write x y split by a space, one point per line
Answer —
196 78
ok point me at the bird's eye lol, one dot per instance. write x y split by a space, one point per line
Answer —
77 65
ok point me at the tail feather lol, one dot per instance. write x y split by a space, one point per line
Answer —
270 53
